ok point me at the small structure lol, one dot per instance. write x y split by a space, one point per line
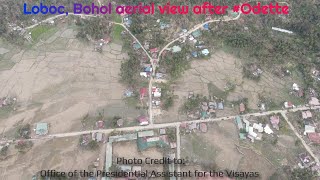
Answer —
206 26
196 33
176 49
309 129
136 46
258 127
295 87
100 124
194 54
239 122
143 120
267 129
146 133
120 122
98 136
192 126
306 114
288 105
314 137
305 159
42 129
205 52
203 127
275 120
154 50
314 101
242 108
156 92
173 145
220 105
282 30
162 131
143 92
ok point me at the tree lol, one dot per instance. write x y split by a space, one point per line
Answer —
299 174
93 145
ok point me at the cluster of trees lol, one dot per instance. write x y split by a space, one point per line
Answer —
94 28
129 71
176 63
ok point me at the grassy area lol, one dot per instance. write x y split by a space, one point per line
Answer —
116 32
42 31
198 148
6 64
117 29
215 91
5 111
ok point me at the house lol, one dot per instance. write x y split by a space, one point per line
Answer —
275 120
42 129
262 107
154 50
206 26
162 131
145 133
145 74
267 129
295 87
148 69
192 126
239 122
306 114
314 101
194 54
143 120
120 122
251 134
176 49
309 129
156 92
203 127
242 136
173 145
288 105
314 137
205 52
136 46
159 75
247 124
100 124
143 92
305 159
164 25
258 127
242 108
196 33
220 106
98 136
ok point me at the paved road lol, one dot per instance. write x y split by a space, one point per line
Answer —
165 125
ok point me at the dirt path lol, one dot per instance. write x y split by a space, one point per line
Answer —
300 137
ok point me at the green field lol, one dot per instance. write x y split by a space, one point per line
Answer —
42 31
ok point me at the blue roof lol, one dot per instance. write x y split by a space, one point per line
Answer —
206 26
194 54
136 46
147 69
